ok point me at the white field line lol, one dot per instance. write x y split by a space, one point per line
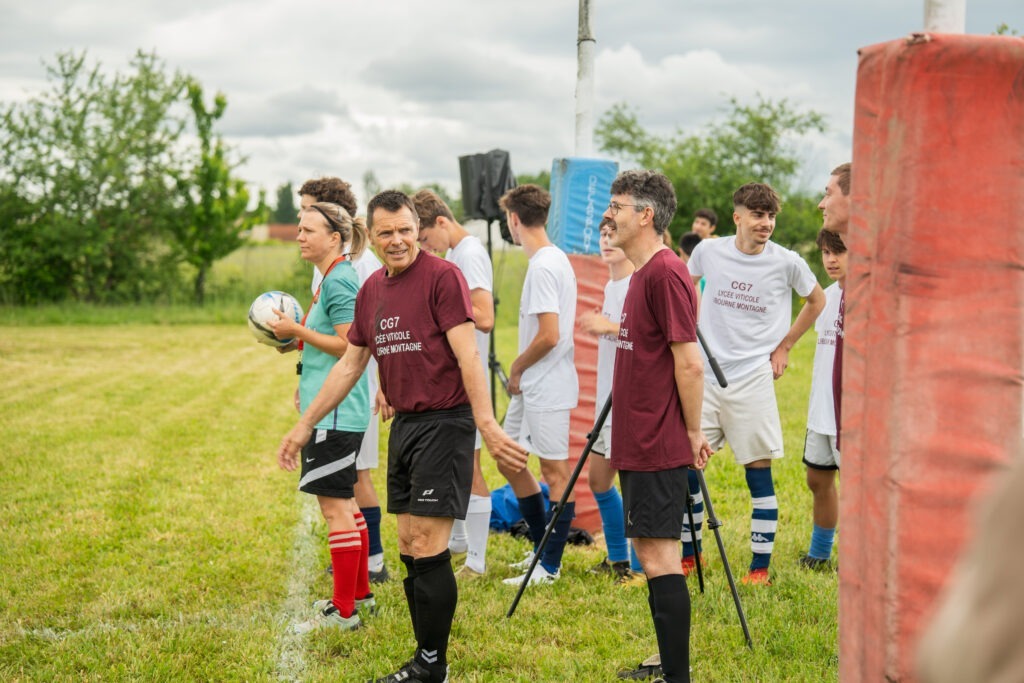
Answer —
291 662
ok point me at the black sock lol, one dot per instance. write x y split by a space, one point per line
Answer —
532 510
436 597
409 584
672 624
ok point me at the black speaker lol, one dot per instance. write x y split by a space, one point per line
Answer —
485 178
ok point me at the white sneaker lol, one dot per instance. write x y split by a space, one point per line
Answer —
539 576
329 617
523 564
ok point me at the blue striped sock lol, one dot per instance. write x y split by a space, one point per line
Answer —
609 504
698 517
764 520
821 542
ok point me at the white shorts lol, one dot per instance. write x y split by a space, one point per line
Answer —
603 443
369 451
820 451
544 432
745 414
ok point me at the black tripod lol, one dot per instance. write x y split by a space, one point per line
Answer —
713 522
493 364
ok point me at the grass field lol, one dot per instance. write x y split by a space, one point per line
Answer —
147 534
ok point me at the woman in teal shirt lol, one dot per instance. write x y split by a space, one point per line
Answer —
328 463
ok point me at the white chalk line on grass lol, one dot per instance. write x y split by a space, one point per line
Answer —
291 662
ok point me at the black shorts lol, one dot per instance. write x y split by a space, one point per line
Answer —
654 502
430 463
329 463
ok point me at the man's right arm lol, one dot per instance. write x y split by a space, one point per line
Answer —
541 344
689 375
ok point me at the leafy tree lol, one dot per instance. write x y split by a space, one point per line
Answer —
214 212
541 178
752 143
371 184
85 195
285 210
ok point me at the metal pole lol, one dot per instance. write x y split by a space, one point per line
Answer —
945 16
585 46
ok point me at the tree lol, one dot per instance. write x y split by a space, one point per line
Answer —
85 190
214 212
541 178
752 143
285 210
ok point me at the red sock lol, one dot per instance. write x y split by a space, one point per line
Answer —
363 577
345 551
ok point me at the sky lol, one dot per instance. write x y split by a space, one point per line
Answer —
403 88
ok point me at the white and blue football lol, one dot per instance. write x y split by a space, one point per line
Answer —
262 311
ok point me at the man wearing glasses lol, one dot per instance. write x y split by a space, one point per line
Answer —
657 392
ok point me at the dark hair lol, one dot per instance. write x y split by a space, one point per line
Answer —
352 230
842 174
708 214
649 189
333 190
391 201
689 242
430 207
832 241
757 197
529 202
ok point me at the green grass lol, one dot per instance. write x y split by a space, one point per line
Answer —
147 534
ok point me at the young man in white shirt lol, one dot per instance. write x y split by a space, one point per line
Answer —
542 379
746 319
443 235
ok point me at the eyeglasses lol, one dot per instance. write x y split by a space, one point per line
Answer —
615 207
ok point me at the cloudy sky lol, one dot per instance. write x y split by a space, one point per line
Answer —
404 88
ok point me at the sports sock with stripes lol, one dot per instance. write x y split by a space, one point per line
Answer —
764 520
363 577
345 549
697 498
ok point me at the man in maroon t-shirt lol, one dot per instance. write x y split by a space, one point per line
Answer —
657 394
415 317
835 217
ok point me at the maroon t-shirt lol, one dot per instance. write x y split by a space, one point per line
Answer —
403 321
648 431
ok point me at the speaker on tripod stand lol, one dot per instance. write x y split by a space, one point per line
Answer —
485 178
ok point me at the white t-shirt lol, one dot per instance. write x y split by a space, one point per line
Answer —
614 297
549 287
471 258
747 305
821 410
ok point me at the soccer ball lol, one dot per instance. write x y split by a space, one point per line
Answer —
262 311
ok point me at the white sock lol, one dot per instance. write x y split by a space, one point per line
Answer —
376 562
478 524
457 541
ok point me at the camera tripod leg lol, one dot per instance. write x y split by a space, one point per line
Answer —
591 438
714 524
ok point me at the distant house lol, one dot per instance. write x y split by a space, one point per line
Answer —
281 232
